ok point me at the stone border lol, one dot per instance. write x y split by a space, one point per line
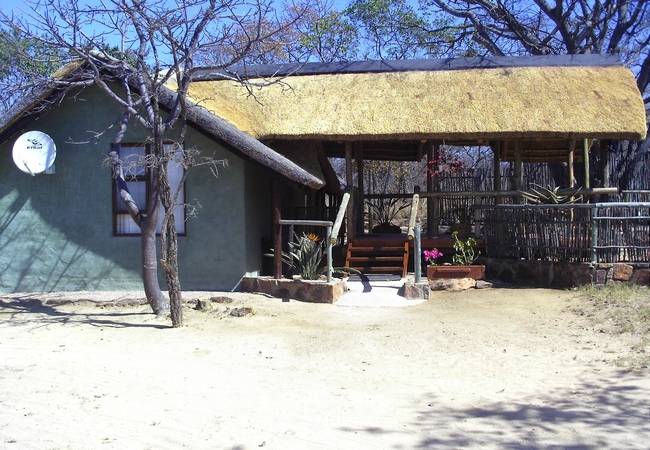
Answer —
303 290
565 274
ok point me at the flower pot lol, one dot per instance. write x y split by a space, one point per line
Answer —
476 272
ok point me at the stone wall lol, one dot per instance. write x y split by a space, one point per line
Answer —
564 274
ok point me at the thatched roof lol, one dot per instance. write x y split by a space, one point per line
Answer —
233 138
534 98
33 101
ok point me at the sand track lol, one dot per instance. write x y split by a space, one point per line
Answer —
500 368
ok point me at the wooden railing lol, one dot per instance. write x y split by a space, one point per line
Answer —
332 231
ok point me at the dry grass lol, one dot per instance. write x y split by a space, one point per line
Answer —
548 102
621 309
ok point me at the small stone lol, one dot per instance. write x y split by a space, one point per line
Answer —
221 299
416 291
622 272
482 284
641 277
203 304
452 284
241 312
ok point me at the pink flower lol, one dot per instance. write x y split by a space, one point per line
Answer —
431 255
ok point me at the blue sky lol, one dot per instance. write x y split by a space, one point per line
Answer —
15 5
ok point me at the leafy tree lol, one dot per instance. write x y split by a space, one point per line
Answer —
327 35
148 76
304 31
393 29
22 61
543 27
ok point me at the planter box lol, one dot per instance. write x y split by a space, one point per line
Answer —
476 272
303 290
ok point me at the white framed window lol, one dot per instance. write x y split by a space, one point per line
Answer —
138 179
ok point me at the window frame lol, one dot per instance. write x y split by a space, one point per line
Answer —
118 208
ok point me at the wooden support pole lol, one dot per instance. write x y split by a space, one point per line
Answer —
339 217
586 161
571 171
277 228
496 150
430 169
361 193
519 166
436 188
604 162
349 225
413 216
433 185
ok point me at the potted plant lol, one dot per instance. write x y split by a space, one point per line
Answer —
463 261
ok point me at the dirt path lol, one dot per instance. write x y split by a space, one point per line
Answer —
501 368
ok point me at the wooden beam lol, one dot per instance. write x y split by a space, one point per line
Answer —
435 219
276 198
571 171
519 166
430 186
496 150
604 165
349 225
585 160
361 193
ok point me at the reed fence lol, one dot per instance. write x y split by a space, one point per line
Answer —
599 232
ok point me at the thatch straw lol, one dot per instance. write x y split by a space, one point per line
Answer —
305 171
532 102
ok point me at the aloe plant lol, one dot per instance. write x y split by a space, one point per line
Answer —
305 256
555 196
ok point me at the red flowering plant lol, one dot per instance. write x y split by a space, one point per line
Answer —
431 255
446 162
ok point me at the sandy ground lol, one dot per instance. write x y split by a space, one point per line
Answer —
500 368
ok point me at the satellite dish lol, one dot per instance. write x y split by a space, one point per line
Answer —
34 152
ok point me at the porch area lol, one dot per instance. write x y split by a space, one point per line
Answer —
415 120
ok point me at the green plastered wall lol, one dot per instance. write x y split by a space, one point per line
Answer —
223 242
56 231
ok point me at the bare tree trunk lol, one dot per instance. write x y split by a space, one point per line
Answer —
169 243
152 290
147 226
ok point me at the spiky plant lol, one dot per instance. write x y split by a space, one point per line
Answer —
555 196
305 256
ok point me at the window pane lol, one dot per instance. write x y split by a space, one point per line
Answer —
179 219
126 225
138 190
175 174
133 165
133 161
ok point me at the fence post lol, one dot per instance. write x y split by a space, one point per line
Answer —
339 218
330 269
417 261
413 216
594 234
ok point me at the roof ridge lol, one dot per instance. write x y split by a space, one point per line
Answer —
341 67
